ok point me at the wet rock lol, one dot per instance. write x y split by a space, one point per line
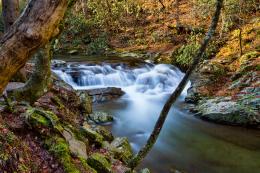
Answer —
92 135
224 110
146 170
100 117
58 63
105 94
100 163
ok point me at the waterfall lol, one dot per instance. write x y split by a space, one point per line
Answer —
146 80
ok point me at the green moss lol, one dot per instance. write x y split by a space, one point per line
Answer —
99 163
60 149
86 166
58 102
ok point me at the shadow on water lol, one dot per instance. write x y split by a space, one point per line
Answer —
186 143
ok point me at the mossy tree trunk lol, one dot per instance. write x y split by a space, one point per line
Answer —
37 25
40 80
174 96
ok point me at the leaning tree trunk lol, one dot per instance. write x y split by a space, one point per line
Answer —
39 82
159 124
10 12
37 25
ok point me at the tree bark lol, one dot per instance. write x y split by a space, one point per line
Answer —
40 80
174 96
10 12
37 25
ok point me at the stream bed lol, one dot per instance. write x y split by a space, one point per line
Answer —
186 143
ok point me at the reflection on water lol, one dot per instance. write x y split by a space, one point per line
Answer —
185 143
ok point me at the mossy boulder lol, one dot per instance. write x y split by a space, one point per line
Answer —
100 163
76 146
85 102
146 170
60 149
225 110
92 135
108 136
101 117
121 149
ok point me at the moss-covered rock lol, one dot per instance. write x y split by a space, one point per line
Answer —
121 149
100 163
101 117
60 149
108 136
92 135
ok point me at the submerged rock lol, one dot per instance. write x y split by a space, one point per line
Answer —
225 110
146 170
100 163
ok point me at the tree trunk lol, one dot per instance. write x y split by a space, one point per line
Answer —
159 124
39 82
37 25
10 12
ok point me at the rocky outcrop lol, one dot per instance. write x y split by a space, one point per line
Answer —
105 94
227 111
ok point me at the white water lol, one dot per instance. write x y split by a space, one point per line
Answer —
185 143
144 82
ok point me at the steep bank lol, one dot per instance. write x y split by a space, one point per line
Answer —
59 133
226 88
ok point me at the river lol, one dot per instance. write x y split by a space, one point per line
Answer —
186 143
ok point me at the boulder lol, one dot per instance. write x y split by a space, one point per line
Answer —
146 170
100 117
105 94
92 135
58 63
100 163
85 102
108 136
76 146
121 149
225 110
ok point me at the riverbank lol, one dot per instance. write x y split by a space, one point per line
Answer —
59 133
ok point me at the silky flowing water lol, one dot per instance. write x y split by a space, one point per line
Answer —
186 143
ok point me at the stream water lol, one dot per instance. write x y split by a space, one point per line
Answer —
186 143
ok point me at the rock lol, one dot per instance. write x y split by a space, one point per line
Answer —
58 63
76 147
105 94
92 135
73 52
224 110
121 149
108 136
99 163
146 170
85 102
100 117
